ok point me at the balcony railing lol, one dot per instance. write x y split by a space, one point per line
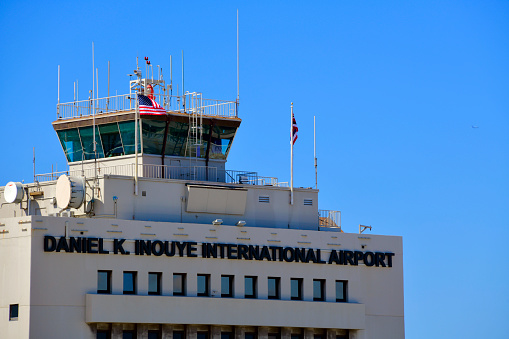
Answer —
328 218
181 104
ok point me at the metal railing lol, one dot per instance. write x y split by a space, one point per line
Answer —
328 218
125 102
198 173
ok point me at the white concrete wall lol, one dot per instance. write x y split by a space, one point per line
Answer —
61 281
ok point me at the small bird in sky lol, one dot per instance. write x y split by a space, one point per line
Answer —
475 126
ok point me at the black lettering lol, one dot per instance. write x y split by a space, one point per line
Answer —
389 258
265 253
333 257
145 247
254 252
169 249
311 256
191 248
221 249
137 247
50 243
62 244
212 250
155 251
366 259
232 251
75 245
342 257
118 246
204 253
243 249
300 255
91 245
287 257
349 258
380 259
358 255
181 247
276 252
101 247
319 256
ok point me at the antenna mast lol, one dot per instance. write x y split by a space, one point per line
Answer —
316 164
237 112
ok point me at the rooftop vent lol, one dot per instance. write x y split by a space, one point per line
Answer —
264 198
308 202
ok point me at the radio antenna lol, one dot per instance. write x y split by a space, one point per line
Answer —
237 62
316 164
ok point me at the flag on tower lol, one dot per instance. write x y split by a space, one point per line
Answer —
295 129
149 106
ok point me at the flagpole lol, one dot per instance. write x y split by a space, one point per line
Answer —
291 155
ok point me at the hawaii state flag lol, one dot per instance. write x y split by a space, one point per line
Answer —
149 106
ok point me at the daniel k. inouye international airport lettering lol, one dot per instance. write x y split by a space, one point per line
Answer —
216 250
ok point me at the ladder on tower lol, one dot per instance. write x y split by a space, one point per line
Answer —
195 139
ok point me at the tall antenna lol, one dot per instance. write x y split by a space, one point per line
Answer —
316 164
171 79
34 153
183 93
58 98
108 100
237 62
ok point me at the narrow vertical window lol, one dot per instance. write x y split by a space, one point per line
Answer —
341 286
203 285
226 335
13 312
296 288
227 286
154 283
128 334
318 290
250 287
250 336
202 335
179 284
129 282
104 282
178 335
274 292
103 334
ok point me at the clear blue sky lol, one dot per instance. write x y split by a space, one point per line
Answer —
396 87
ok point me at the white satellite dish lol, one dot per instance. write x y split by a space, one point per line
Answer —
14 192
70 191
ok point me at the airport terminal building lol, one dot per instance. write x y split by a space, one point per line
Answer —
148 235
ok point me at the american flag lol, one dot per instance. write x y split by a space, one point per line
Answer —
149 106
295 129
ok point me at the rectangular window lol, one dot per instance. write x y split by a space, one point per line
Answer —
250 336
154 283
226 335
203 285
103 334
154 334
104 282
296 288
318 290
341 286
128 334
274 336
13 312
179 284
129 282
178 335
274 291
202 335
296 336
227 286
250 287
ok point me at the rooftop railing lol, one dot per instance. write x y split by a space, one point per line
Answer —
126 102
329 218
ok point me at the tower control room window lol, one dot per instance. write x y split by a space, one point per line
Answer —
274 288
203 285
153 136
112 142
71 143
296 288
318 289
179 284
104 282
154 283
87 140
250 287
341 289
129 282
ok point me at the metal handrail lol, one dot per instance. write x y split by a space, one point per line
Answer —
125 102
329 218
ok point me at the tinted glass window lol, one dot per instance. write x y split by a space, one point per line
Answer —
203 285
177 138
273 288
318 289
112 143
250 287
179 284
296 289
104 282
154 283
221 139
341 290
227 286
71 144
129 282
127 134
153 136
